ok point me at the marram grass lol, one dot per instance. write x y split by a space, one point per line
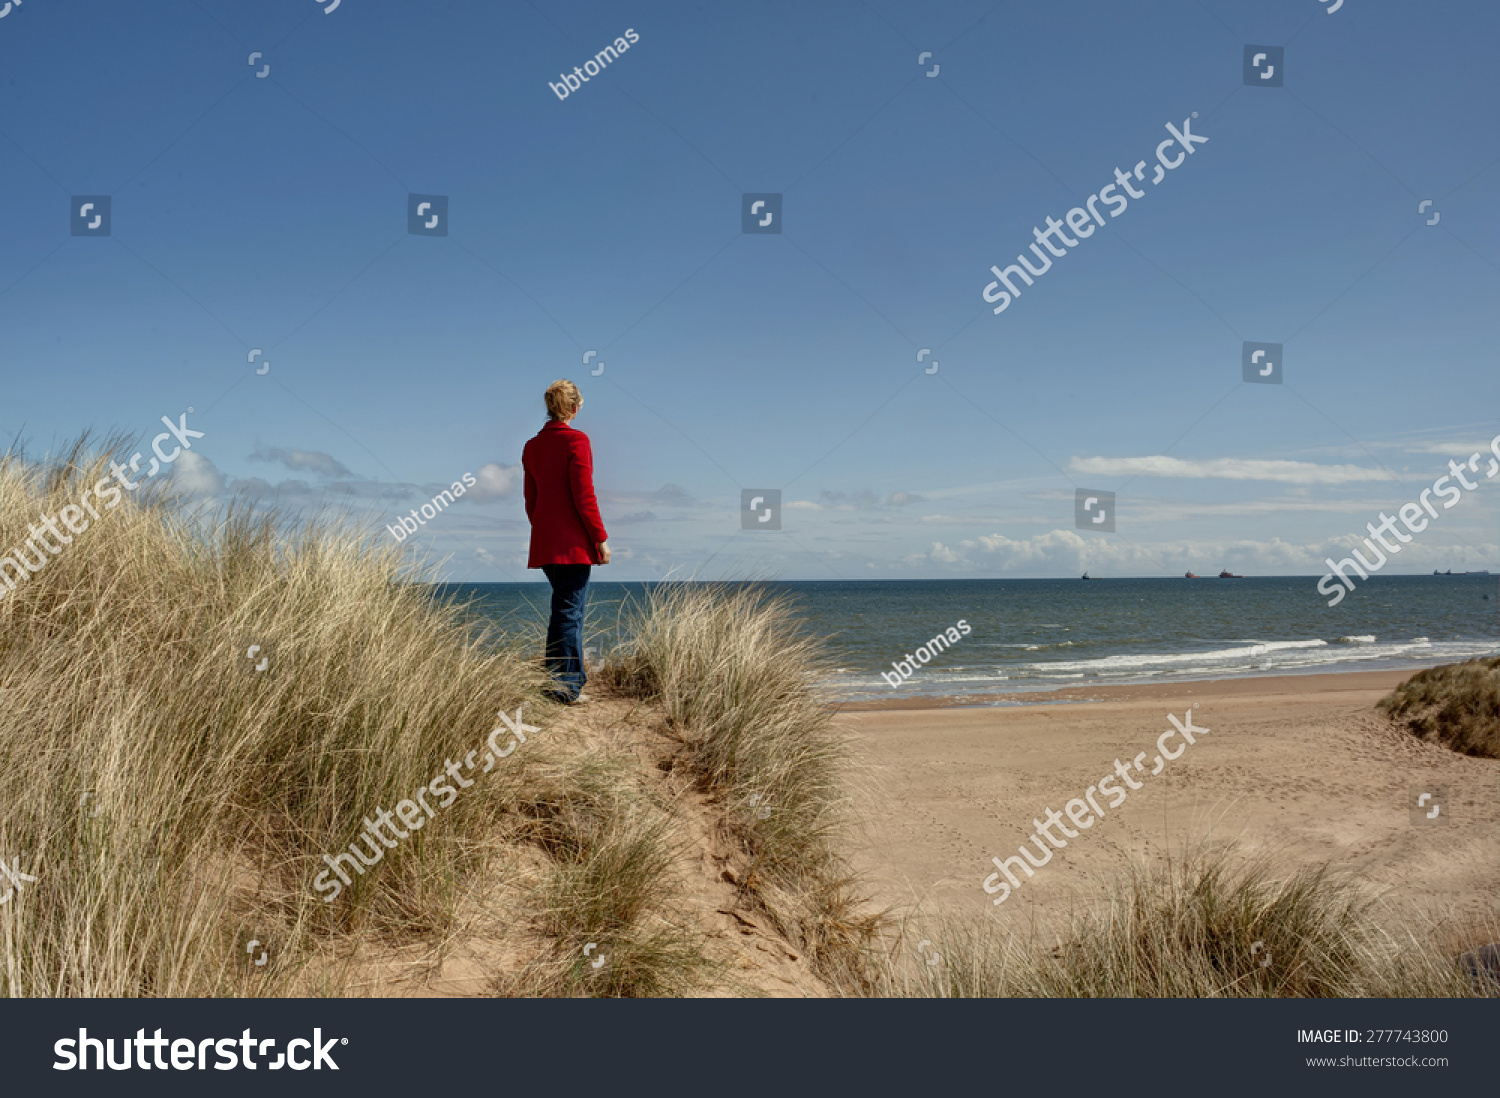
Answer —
175 803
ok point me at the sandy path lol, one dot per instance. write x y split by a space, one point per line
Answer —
1301 766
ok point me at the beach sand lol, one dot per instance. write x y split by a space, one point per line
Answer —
1302 768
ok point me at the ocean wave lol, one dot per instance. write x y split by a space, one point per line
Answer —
1153 659
1258 657
1021 679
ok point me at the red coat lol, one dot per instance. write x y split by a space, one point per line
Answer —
565 522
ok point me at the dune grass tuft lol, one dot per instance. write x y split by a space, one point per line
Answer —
600 905
737 678
1456 705
1212 925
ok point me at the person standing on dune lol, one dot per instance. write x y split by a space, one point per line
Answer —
567 534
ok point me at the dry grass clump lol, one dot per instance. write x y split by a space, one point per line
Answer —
611 850
175 803
1209 926
736 676
1456 705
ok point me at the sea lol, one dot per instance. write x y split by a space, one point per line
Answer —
1033 635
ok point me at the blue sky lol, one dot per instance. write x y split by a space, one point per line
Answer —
271 212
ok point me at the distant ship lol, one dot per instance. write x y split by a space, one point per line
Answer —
1193 576
1085 575
1228 575
1451 572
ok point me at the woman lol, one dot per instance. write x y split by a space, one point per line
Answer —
567 534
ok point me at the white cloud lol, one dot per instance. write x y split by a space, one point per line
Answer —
1167 511
194 473
1064 552
942 554
1457 450
866 500
496 481
313 460
990 519
1289 472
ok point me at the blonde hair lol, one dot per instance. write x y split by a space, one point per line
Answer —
563 400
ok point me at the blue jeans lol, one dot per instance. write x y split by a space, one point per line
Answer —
570 594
